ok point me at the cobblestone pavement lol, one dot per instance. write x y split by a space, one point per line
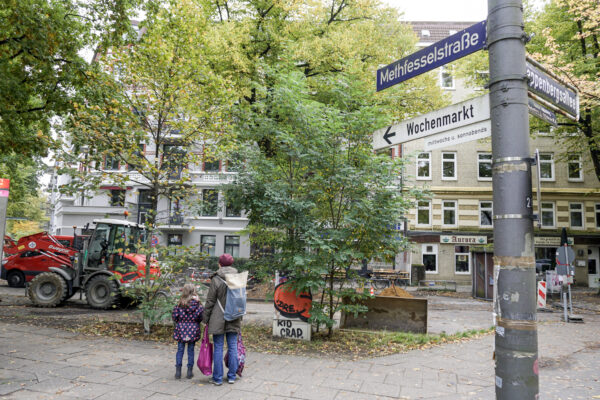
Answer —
42 363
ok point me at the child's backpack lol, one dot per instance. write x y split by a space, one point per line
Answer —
235 306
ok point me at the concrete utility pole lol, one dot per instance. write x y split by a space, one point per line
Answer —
514 259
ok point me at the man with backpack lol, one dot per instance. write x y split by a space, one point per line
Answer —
225 305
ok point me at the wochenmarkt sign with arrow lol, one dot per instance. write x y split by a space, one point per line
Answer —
457 123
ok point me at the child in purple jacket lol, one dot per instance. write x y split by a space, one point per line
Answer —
187 316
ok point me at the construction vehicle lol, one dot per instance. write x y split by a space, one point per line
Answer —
107 263
24 263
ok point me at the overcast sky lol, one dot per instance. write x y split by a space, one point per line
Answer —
444 10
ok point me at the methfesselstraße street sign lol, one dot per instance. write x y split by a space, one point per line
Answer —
549 89
448 118
452 48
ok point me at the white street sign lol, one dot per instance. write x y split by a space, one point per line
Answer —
455 116
456 136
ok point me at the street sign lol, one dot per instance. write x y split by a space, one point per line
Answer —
452 48
537 110
452 117
553 92
565 255
478 130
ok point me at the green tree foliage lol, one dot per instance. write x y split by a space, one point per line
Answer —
317 38
322 200
41 67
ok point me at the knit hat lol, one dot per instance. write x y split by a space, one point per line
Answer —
225 260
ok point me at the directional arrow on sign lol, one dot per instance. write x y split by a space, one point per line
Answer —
387 135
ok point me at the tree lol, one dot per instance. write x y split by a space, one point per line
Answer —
40 64
567 41
322 200
320 39
152 110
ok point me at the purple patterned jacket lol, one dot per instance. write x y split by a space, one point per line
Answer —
187 322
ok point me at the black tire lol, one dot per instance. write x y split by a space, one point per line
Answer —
48 289
15 278
102 292
381 283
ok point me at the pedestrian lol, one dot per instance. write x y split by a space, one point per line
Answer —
187 316
216 324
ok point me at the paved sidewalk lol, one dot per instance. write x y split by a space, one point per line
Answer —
38 363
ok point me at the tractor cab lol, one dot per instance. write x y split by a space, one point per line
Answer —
112 244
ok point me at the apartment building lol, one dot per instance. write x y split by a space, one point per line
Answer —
214 227
453 232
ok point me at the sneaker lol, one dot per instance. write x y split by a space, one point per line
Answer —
231 381
211 380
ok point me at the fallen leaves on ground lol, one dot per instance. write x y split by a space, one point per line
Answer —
344 344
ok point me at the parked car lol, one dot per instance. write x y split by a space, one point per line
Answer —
542 265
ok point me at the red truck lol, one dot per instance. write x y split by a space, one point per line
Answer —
23 263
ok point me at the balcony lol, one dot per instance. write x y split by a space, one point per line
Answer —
90 210
172 220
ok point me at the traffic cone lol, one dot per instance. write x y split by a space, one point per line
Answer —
372 292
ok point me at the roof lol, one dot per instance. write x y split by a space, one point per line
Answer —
114 221
438 30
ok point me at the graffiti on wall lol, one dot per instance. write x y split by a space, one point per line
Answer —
292 305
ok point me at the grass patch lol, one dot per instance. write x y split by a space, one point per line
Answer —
345 344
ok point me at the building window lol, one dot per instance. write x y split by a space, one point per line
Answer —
449 212
232 245
117 198
231 210
546 166
173 161
111 163
424 212
576 215
575 168
210 202
597 211
175 212
446 78
424 166
211 166
207 244
486 211
449 166
175 239
429 254
461 260
547 216
484 166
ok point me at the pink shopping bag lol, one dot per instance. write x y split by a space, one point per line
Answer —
205 356
241 351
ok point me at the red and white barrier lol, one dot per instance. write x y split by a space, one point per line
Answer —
541 303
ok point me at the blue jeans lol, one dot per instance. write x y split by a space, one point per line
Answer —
181 350
232 363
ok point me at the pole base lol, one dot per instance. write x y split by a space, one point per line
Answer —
575 318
